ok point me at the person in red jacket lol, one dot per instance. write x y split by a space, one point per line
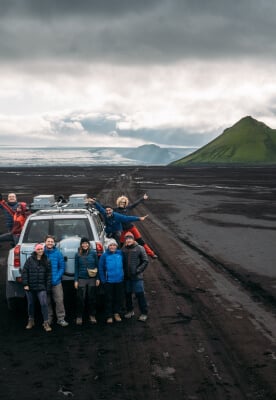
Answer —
19 217
123 207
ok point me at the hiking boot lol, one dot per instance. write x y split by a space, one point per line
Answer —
117 317
46 326
92 319
109 321
129 314
79 321
143 318
30 323
62 323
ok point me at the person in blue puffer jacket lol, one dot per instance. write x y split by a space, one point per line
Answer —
112 277
58 268
86 280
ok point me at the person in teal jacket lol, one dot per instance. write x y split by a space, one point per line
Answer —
86 280
112 277
58 267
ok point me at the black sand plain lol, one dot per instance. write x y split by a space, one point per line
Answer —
211 332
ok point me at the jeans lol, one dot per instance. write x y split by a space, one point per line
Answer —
42 297
57 297
136 287
87 287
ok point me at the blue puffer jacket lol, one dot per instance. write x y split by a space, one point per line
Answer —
58 264
114 222
111 267
84 261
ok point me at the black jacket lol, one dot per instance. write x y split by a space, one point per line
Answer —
135 261
37 273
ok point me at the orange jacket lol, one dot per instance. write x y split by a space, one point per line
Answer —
19 217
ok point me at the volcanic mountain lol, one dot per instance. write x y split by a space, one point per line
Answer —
247 142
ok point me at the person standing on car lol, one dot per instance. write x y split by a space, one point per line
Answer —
56 295
135 262
112 277
86 280
36 279
123 207
11 202
113 220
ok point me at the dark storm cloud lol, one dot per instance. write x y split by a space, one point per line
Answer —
125 31
53 8
105 125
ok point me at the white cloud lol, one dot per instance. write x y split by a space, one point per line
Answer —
130 70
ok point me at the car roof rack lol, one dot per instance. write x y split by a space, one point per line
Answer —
49 202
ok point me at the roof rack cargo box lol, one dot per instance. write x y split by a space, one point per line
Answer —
78 200
43 201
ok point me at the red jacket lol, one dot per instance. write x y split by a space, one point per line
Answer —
19 217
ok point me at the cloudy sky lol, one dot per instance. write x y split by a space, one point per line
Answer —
130 72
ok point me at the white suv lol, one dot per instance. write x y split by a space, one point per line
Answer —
67 222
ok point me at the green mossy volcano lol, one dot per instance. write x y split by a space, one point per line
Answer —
247 142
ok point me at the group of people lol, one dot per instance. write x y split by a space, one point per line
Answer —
119 270
118 222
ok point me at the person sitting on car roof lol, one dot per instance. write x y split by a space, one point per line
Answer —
113 220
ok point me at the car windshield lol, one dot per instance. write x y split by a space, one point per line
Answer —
59 228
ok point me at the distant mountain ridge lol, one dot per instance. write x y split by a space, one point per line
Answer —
247 142
153 154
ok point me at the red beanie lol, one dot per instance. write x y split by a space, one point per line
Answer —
129 235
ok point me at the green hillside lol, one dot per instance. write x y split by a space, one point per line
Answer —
247 142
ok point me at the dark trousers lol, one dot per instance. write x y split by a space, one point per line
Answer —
142 303
114 294
89 290
9 237
115 235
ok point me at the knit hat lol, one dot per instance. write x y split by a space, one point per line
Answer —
129 235
112 241
39 246
23 206
84 240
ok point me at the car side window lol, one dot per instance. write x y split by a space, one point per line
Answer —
98 223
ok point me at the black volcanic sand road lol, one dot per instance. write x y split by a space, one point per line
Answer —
212 329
